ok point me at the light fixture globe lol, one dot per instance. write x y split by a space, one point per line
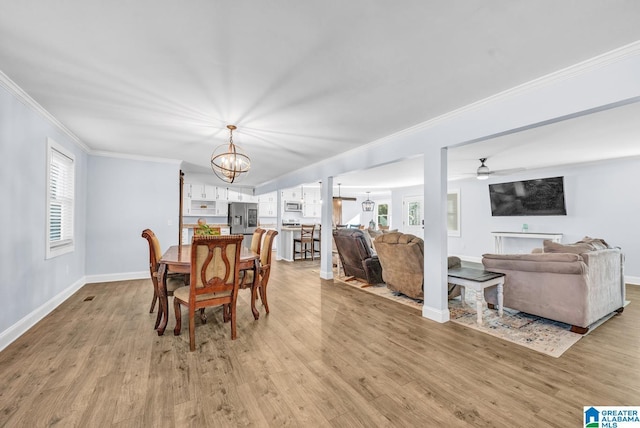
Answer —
483 170
368 205
228 161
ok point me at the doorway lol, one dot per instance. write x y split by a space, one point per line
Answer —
413 215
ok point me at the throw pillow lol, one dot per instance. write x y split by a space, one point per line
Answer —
577 248
597 243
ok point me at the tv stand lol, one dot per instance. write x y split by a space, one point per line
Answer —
498 237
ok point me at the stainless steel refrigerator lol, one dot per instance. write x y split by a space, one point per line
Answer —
243 220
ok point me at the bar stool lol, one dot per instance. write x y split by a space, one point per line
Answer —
306 241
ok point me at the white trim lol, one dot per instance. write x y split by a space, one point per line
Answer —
635 280
26 99
18 329
435 314
134 157
111 277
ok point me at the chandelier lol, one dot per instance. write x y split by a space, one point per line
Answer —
368 205
228 162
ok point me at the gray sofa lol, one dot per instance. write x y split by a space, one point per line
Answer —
563 283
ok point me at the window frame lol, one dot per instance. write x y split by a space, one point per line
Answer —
378 215
57 154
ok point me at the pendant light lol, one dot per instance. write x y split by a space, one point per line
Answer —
228 161
368 205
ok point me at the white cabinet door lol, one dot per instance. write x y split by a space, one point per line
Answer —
222 208
291 195
311 210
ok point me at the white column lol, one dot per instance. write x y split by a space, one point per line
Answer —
326 238
435 235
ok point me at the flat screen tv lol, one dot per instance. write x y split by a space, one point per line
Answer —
544 196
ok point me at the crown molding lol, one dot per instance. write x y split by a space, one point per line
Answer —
27 100
133 157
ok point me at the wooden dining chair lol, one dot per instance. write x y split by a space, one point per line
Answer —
256 240
305 241
174 280
215 280
265 268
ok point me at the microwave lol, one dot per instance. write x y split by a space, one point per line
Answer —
290 206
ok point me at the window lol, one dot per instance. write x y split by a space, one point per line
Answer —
453 212
383 215
60 200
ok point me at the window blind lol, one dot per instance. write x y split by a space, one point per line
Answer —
60 203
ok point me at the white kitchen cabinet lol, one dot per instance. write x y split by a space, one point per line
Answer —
291 194
268 205
311 210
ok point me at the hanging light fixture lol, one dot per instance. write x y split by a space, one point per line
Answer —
228 161
368 205
483 170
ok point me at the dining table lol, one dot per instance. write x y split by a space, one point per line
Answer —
177 259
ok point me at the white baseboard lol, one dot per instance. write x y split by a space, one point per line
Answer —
19 328
434 314
111 277
635 280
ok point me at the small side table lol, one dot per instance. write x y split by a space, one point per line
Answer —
478 280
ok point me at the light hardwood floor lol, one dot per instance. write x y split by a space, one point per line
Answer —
327 355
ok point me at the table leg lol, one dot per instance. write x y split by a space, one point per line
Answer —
162 298
462 292
479 305
500 297
254 289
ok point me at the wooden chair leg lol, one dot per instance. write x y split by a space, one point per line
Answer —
233 321
192 331
178 310
153 303
158 319
263 297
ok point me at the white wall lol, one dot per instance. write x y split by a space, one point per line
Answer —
32 286
601 202
125 197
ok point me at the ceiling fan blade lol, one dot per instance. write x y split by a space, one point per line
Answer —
344 198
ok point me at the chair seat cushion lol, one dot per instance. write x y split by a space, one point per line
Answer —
173 283
182 293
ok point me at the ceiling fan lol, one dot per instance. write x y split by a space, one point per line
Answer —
341 198
484 172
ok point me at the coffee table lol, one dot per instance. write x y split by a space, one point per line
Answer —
478 280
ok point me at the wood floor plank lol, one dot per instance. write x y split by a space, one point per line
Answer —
327 355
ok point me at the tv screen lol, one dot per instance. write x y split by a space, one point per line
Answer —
543 196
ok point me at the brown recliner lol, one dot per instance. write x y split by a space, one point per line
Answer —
356 256
402 258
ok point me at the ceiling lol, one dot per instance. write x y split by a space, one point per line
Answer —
306 81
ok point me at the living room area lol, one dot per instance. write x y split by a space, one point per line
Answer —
596 201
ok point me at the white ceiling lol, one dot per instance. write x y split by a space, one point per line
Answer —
305 81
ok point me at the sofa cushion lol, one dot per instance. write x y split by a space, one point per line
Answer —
577 248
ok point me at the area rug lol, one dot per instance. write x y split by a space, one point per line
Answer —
543 335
